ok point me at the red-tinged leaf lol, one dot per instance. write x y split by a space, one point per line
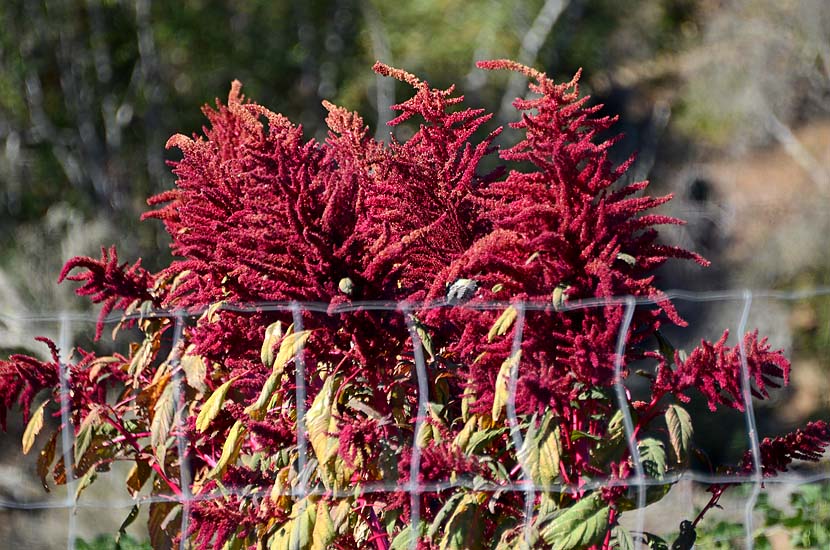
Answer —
162 418
45 459
161 526
138 476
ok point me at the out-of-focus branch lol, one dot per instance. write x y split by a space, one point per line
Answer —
149 69
384 87
782 133
532 42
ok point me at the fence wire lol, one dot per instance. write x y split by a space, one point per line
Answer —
67 322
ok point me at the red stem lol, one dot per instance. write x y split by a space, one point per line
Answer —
713 501
612 517
129 438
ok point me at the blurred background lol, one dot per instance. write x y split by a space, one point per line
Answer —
727 103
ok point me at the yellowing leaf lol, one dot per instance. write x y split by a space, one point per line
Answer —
323 533
291 345
33 428
230 450
142 358
272 335
550 450
503 323
162 419
502 383
213 406
320 422
195 370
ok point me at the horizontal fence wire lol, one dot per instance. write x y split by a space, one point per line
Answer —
639 483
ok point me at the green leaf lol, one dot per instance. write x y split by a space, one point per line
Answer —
576 435
503 323
580 526
550 451
212 406
33 428
653 457
403 540
258 408
680 431
502 383
303 528
424 337
560 296
230 450
444 513
622 539
86 434
654 542
481 437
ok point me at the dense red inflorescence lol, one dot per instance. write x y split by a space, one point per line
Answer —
262 214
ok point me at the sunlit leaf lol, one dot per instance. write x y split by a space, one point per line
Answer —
502 383
323 533
273 334
291 345
33 428
503 323
320 422
212 406
464 528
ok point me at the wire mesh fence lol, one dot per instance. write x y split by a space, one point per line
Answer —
85 515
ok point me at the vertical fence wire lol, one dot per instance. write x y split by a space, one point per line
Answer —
68 431
622 400
513 421
301 492
414 487
181 439
751 425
